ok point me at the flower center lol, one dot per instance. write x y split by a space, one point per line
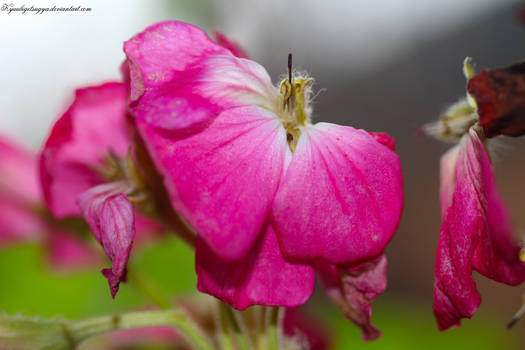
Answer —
293 104
454 123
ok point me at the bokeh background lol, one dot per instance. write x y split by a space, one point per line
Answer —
382 65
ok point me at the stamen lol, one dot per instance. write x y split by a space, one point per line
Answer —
290 68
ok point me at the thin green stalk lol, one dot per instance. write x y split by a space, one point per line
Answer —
148 288
233 325
272 328
81 330
18 332
224 334
240 318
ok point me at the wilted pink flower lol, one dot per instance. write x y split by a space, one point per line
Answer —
22 214
476 233
84 171
266 191
354 289
500 98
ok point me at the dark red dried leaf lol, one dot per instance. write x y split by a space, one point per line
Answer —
500 95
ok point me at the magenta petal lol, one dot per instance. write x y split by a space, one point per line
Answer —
180 77
109 213
341 197
235 48
384 139
222 180
475 234
263 277
163 51
95 125
354 289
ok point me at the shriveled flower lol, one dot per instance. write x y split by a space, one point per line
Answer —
354 289
85 171
267 191
476 233
500 98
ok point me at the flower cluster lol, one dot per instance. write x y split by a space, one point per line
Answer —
197 140
198 135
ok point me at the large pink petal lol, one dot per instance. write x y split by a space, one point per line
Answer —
341 197
222 180
95 125
353 290
475 234
109 213
263 277
180 77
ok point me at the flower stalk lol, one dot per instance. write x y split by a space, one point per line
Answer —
39 334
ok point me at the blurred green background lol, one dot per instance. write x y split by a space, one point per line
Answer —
382 65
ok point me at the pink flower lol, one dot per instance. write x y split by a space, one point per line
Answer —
84 171
267 191
475 234
22 214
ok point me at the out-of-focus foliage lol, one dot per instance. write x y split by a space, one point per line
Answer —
30 288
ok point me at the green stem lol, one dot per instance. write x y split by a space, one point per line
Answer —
272 329
81 330
17 332
142 283
223 329
230 329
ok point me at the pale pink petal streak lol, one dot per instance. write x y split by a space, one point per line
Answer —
447 177
180 77
341 197
222 180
